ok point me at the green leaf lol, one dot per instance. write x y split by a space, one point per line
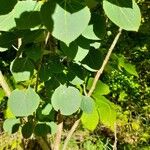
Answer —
23 103
91 3
89 33
2 49
90 121
96 29
7 39
67 26
101 88
46 12
33 52
28 20
96 45
87 104
35 36
77 81
45 73
7 21
6 6
122 96
75 74
50 68
130 68
27 130
125 14
72 5
83 42
8 113
45 113
47 109
22 69
2 94
42 129
93 60
51 84
66 99
11 125
107 112
75 52
53 127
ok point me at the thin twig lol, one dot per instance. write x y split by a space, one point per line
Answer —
75 125
19 50
47 38
98 74
115 134
58 136
19 42
59 132
44 145
100 71
84 90
4 85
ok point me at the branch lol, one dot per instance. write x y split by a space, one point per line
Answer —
58 136
115 134
4 85
44 145
100 71
75 125
98 74
59 132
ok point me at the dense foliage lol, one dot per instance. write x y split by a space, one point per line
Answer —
50 52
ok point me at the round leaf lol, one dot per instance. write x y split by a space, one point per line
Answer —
11 125
107 111
90 121
87 104
67 100
67 26
23 103
27 130
42 129
125 14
